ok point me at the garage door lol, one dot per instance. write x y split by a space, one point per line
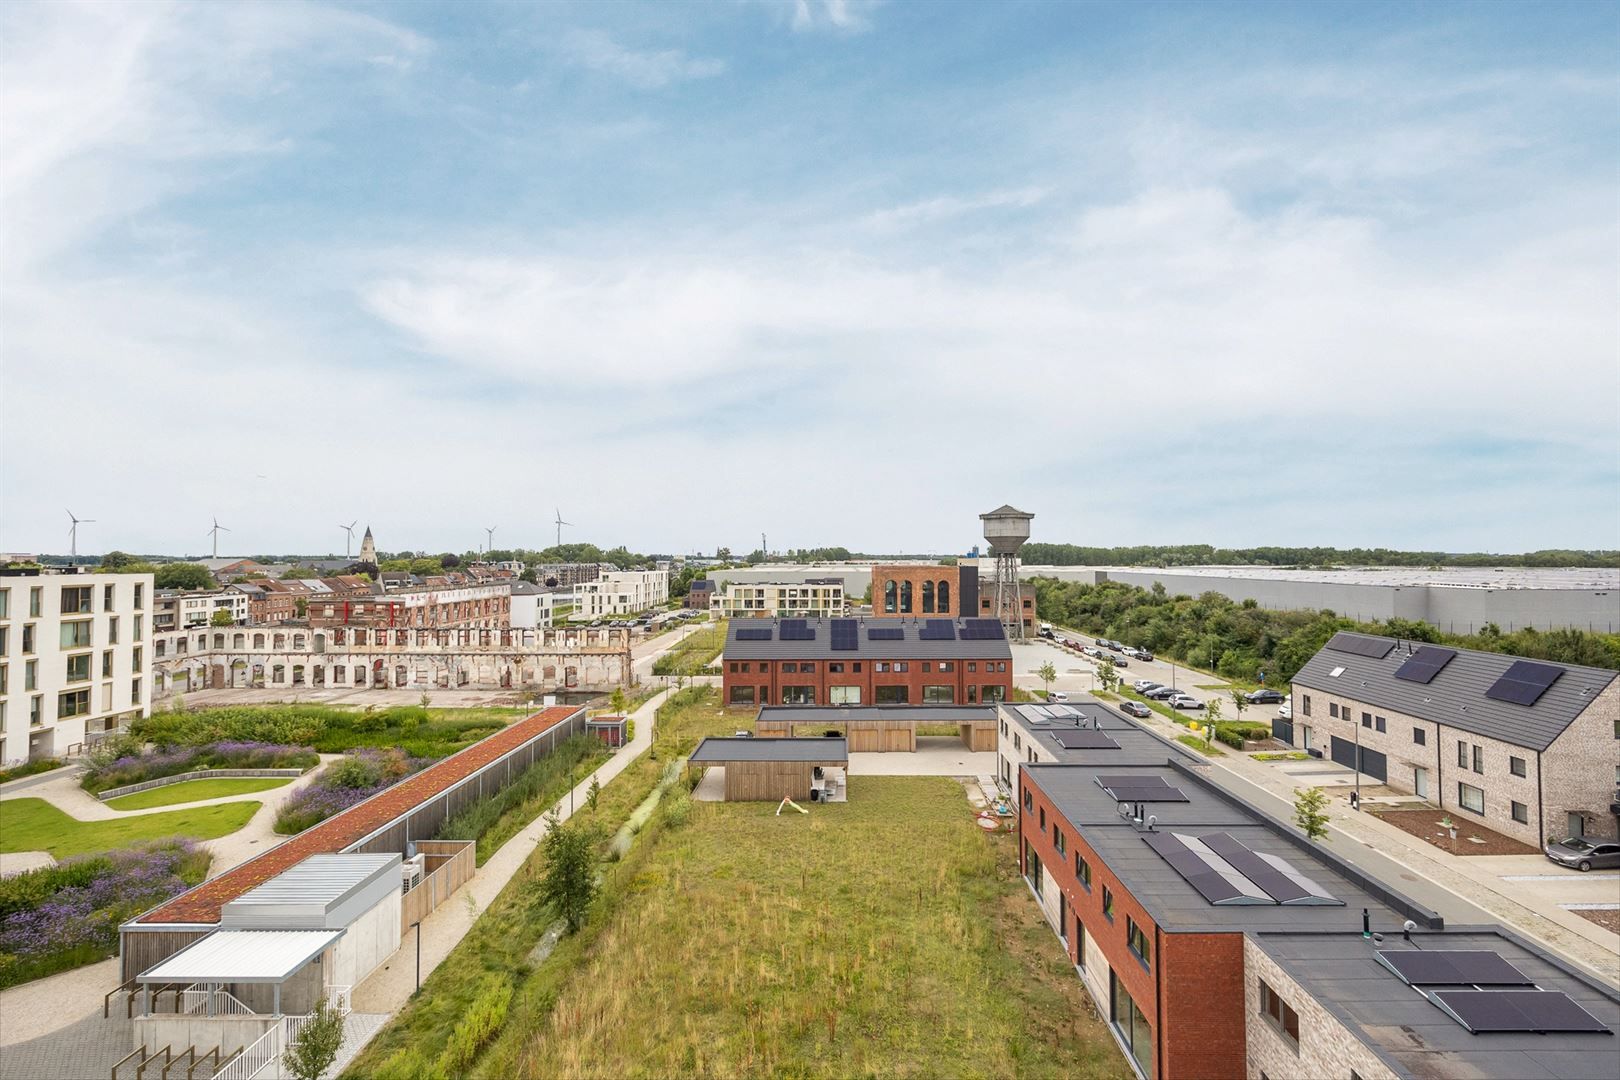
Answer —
1373 763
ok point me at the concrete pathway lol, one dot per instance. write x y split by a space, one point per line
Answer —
56 1003
85 1049
64 793
390 986
936 755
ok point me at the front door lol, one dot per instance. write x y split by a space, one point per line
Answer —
1576 825
1420 782
1305 736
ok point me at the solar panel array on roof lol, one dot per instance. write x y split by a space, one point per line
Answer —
938 630
1359 645
754 633
1524 682
1146 788
1226 871
1517 1010
885 633
982 630
797 630
1425 664
845 635
1457 967
1084 739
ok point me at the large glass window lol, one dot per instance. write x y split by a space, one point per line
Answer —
76 635
944 597
72 703
843 695
939 695
1279 1015
994 694
798 695
1471 798
78 600
892 695
889 593
1033 868
928 597
742 695
1131 1024
905 598
78 668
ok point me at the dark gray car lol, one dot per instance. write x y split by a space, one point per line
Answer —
1583 854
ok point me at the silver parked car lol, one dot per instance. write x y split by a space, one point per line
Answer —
1585 855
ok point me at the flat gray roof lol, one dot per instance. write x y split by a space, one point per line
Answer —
1456 696
1137 745
242 956
718 751
909 645
327 890
921 714
1415 1038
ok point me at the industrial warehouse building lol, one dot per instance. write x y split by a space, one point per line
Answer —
1526 748
866 662
1217 941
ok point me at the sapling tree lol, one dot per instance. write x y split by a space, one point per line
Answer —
1310 812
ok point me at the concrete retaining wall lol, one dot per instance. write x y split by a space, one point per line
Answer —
198 774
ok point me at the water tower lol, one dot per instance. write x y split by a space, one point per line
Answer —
1005 530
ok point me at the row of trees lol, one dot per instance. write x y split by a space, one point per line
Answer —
1161 555
1241 640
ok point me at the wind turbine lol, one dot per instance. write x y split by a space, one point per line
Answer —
489 538
560 524
348 543
73 532
216 530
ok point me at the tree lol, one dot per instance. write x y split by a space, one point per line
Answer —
300 607
222 617
1239 703
593 793
1108 674
114 561
1310 812
568 880
183 575
449 561
1047 673
531 575
315 1047
723 554
1212 716
617 702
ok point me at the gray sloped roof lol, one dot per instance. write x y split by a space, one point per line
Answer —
910 646
1456 696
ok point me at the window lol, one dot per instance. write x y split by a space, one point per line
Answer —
1378 723
892 695
31 675
973 666
1471 798
939 695
1479 758
107 598
5 613
944 597
135 660
1420 737
994 694
1036 873
1043 818
1131 1025
78 668
928 597
733 663
1283 1019
76 635
947 665
1137 941
1108 903
835 668
1029 800
72 703
1366 719
789 669
1082 870
1305 704
28 637
112 630
1516 766
1333 709
135 691
881 667
1462 754
888 597
5 682
798 695
902 665
140 596
36 710
742 695
905 598
78 600
138 624
843 695
1058 842
1521 813
35 596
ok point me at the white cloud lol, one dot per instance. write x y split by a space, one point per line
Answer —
943 207
846 16
645 69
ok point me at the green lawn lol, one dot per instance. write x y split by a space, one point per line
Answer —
693 653
194 790
36 825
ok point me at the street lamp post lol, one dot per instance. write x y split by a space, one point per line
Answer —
417 926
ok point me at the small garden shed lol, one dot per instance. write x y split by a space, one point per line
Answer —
769 770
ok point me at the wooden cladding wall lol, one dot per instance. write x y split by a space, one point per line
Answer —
876 736
457 861
139 950
771 781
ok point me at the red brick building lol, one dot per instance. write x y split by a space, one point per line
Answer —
865 662
481 606
925 589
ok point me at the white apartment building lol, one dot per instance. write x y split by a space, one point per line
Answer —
532 606
73 659
621 592
811 598
188 610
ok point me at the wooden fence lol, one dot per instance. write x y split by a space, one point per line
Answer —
449 864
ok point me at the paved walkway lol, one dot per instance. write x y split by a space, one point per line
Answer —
86 1049
390 986
936 755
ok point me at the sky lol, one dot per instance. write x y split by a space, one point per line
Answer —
841 273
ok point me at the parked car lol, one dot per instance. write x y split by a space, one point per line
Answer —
1114 646
1585 855
1120 661
1135 708
1161 692
1144 656
1104 643
1286 712
1056 695
1046 630
1184 701
1142 686
1093 651
1265 697
1070 643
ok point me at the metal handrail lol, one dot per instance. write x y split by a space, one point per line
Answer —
139 1051
252 1059
223 1001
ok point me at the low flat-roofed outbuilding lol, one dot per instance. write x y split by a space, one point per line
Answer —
768 770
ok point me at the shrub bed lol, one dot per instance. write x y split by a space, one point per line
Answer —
131 766
420 732
29 768
496 818
61 917
360 775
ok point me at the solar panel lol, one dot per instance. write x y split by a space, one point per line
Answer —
1285 884
1214 881
750 633
982 630
845 635
1084 739
938 630
1360 645
1132 780
1147 794
1423 665
1524 682
885 633
1429 967
797 630
1517 1010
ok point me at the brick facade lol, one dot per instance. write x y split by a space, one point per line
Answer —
917 590
806 682
1325 1047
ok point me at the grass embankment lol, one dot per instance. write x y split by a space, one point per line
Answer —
420 732
693 653
494 820
497 949
195 790
1200 745
36 825
756 944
